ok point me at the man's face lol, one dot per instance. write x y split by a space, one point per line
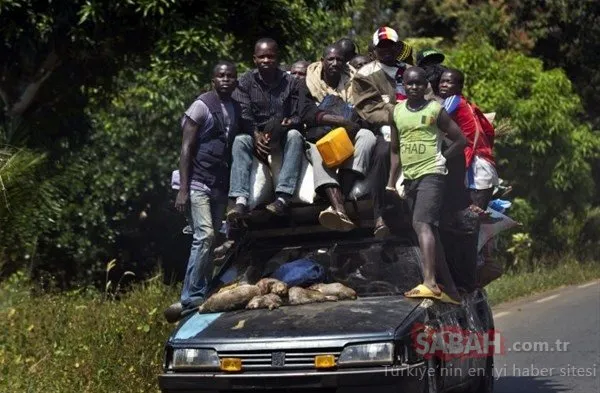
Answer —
298 71
359 61
265 57
448 85
333 63
387 51
225 79
415 85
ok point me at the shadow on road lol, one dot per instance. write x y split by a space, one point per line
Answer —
510 384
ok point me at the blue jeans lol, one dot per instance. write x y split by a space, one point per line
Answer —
242 153
206 217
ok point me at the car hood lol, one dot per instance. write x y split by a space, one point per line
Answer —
376 316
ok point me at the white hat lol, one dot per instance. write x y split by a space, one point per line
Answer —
385 33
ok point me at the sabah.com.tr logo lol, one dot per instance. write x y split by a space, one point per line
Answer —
452 342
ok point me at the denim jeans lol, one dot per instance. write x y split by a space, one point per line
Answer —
242 153
206 217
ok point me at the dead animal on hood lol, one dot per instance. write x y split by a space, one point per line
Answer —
270 301
272 285
336 289
233 299
298 295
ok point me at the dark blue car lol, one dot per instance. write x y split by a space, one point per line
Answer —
381 342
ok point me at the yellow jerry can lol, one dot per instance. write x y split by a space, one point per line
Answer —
335 147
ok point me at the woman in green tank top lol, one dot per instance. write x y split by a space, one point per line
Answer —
420 128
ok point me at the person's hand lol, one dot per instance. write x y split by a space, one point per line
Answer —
261 144
183 198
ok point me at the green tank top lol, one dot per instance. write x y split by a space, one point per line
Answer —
420 140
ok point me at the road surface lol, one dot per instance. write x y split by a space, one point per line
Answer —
551 341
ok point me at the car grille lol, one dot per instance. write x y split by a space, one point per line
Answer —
273 360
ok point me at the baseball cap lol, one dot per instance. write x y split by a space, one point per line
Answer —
385 33
433 55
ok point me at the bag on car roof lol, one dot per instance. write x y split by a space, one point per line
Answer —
300 272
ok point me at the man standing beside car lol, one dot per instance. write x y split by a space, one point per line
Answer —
209 128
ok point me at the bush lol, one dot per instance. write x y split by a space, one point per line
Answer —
548 155
84 340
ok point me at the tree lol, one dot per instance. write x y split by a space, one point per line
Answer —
562 33
549 155
99 89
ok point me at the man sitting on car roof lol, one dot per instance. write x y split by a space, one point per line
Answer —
328 85
266 96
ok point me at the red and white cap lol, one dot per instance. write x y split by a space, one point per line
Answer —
385 33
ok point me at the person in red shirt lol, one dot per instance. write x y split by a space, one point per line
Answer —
481 177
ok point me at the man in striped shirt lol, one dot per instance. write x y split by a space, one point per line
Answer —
268 98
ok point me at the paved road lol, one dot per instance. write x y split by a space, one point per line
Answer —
535 361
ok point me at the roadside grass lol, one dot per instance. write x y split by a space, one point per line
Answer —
518 284
87 341
82 341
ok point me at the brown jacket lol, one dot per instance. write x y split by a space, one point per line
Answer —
374 94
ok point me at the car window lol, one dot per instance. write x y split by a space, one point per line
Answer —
370 268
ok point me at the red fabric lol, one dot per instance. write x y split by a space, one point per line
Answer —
400 92
464 117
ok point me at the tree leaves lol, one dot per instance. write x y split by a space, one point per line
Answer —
549 154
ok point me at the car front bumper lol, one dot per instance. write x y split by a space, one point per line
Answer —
380 379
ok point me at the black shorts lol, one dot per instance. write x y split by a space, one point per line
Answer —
425 196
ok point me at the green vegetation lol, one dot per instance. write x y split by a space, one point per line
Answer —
563 271
83 340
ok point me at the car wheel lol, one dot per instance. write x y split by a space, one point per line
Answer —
432 382
485 384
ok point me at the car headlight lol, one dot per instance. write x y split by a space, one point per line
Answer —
367 354
195 358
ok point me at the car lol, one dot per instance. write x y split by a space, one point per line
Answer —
380 342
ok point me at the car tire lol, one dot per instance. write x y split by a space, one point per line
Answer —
432 382
485 384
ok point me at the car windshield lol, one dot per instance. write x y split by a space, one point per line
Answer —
370 268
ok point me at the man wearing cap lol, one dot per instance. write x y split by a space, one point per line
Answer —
431 61
376 88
